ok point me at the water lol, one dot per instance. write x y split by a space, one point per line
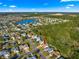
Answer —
27 21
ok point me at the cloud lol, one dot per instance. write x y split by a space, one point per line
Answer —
12 6
33 9
0 3
68 0
4 5
70 6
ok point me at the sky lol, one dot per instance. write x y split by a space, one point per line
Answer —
39 5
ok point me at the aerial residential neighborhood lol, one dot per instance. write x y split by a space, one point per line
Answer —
25 39
19 41
39 29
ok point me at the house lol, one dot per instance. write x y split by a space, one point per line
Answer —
13 38
24 48
28 35
56 54
15 50
6 37
37 38
49 50
23 34
33 57
15 56
5 54
61 57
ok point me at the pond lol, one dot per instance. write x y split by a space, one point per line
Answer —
27 21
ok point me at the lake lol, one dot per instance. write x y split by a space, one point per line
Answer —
27 21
